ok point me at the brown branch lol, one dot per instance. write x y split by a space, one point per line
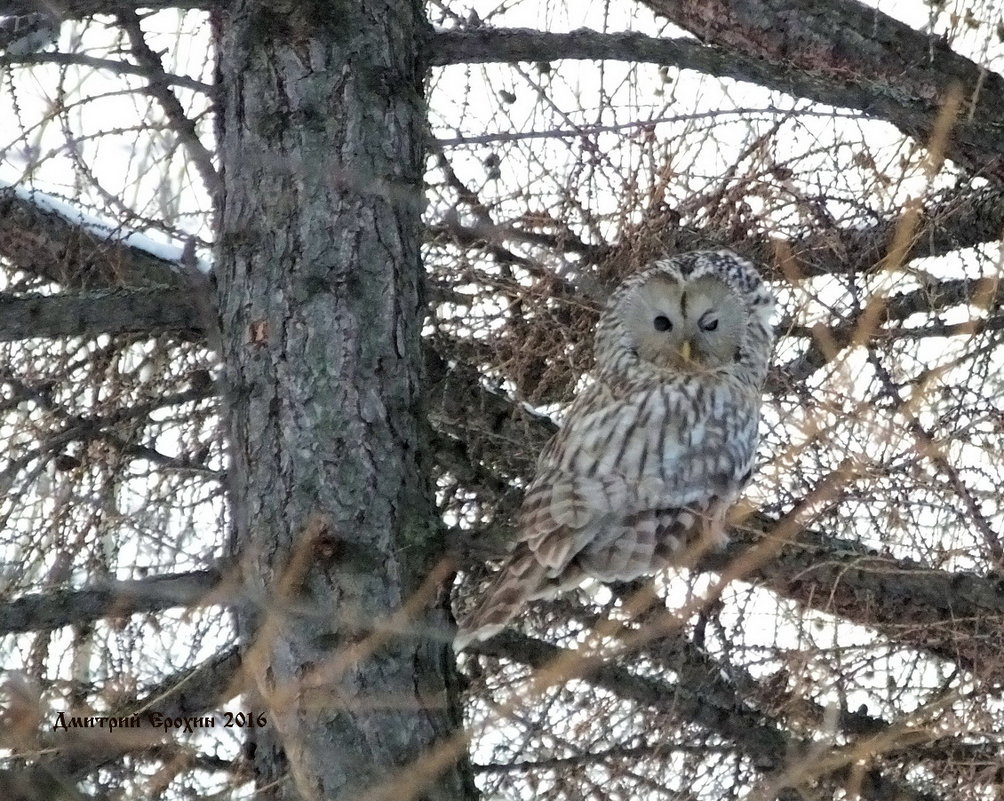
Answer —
752 733
189 692
939 612
45 244
955 616
829 340
45 252
83 428
954 220
492 45
852 55
70 755
958 617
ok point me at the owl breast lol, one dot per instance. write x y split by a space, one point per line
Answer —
668 444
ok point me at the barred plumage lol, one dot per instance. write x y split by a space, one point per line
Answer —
658 446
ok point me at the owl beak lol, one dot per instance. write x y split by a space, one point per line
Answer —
685 350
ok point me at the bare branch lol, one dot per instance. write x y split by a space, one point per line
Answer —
758 737
853 55
43 243
79 9
146 311
957 616
109 64
160 88
47 611
873 75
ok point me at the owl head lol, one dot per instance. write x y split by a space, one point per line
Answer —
695 312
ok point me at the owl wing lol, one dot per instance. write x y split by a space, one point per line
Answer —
560 515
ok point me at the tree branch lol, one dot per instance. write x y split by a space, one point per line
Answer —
868 323
109 64
191 692
160 88
787 47
852 55
45 244
87 314
79 9
52 610
958 617
723 712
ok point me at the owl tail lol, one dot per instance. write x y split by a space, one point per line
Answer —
520 579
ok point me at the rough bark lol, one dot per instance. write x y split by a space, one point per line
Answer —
852 55
146 311
319 272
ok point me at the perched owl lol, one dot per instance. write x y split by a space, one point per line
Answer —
657 447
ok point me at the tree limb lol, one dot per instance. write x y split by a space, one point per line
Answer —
79 9
160 88
45 244
111 65
757 737
879 66
957 617
852 55
53 610
89 314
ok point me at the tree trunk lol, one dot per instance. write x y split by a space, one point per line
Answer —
321 148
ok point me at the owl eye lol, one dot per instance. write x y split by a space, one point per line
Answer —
709 324
662 323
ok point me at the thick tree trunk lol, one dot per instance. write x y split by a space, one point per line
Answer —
319 276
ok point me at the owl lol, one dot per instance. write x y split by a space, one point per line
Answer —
659 444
